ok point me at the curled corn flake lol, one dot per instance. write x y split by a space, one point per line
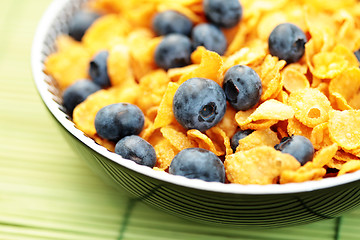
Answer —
228 123
301 175
177 138
165 153
111 27
294 80
310 105
109 145
175 73
344 128
328 65
258 138
204 141
217 134
268 110
350 166
165 115
324 155
345 156
259 165
320 136
69 64
209 67
118 66
345 88
295 127
335 164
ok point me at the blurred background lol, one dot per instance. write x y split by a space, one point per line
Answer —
46 192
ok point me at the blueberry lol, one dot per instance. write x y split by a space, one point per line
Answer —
98 69
81 21
234 142
287 42
199 103
115 121
222 13
198 163
77 93
357 54
173 51
298 146
242 86
136 149
171 22
209 36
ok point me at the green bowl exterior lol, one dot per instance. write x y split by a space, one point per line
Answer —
268 210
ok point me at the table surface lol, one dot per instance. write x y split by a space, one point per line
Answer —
46 192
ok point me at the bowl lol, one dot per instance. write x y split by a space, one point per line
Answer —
208 202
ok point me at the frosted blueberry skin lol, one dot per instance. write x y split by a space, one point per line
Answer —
115 121
298 146
225 14
170 21
77 93
234 141
81 21
209 36
173 51
199 103
287 42
98 69
198 163
242 87
136 149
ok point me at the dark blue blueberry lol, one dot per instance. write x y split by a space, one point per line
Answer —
198 163
287 42
357 54
199 103
98 70
77 93
298 146
222 13
173 51
171 22
242 86
209 36
115 121
234 142
136 149
81 21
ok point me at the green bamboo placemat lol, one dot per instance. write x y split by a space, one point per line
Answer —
46 192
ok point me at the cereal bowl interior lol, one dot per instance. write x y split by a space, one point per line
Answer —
324 195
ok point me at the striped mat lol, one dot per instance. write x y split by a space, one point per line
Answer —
46 192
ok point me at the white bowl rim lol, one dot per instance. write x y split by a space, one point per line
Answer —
272 189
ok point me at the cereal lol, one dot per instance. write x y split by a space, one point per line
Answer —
317 97
260 165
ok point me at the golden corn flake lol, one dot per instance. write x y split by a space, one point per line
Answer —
209 67
310 105
165 153
271 110
295 127
228 123
344 128
217 134
165 115
259 165
341 155
294 80
177 138
301 175
350 166
204 141
345 89
324 155
320 136
69 64
111 27
257 138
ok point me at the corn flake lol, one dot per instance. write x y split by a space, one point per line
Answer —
257 138
259 165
